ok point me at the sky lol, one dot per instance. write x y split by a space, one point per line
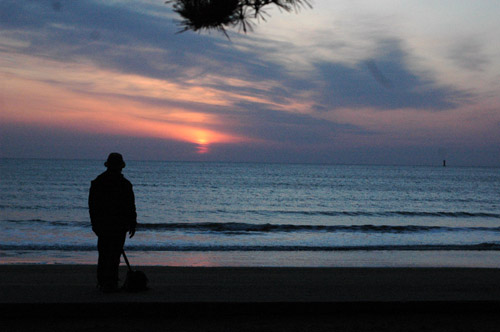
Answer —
408 82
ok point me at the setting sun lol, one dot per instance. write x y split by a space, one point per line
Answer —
202 147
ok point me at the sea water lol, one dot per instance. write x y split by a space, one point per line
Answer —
254 214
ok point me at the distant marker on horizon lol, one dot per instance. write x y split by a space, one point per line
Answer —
444 162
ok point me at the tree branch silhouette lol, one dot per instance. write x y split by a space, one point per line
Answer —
218 15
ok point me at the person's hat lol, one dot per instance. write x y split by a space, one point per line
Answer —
115 160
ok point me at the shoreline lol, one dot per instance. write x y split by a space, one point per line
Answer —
256 259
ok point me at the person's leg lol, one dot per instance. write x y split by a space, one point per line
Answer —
110 248
102 262
114 258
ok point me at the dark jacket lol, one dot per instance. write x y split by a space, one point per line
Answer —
112 204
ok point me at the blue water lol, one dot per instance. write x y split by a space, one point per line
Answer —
259 214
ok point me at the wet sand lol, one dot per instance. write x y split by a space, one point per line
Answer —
51 297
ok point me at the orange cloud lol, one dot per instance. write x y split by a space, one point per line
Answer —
36 102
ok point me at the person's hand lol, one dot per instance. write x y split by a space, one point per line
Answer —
131 233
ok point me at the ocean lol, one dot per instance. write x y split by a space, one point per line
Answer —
256 214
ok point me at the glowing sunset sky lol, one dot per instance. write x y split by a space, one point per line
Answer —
374 81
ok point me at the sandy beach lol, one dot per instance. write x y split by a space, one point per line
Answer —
47 297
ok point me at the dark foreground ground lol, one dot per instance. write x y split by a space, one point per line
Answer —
64 298
259 322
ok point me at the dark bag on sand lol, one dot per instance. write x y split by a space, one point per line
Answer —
135 281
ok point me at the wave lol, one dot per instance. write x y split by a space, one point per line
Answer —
409 214
242 228
488 246
44 207
457 214
234 228
48 222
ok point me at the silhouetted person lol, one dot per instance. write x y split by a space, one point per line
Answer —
112 214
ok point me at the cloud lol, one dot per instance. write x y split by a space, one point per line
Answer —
112 35
468 55
290 129
139 43
360 86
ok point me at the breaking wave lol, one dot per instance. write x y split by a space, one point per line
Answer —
424 247
249 228
268 228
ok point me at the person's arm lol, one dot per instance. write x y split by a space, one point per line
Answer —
131 233
92 208
132 213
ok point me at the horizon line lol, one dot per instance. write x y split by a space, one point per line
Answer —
438 164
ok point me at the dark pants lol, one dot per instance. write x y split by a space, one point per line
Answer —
110 249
